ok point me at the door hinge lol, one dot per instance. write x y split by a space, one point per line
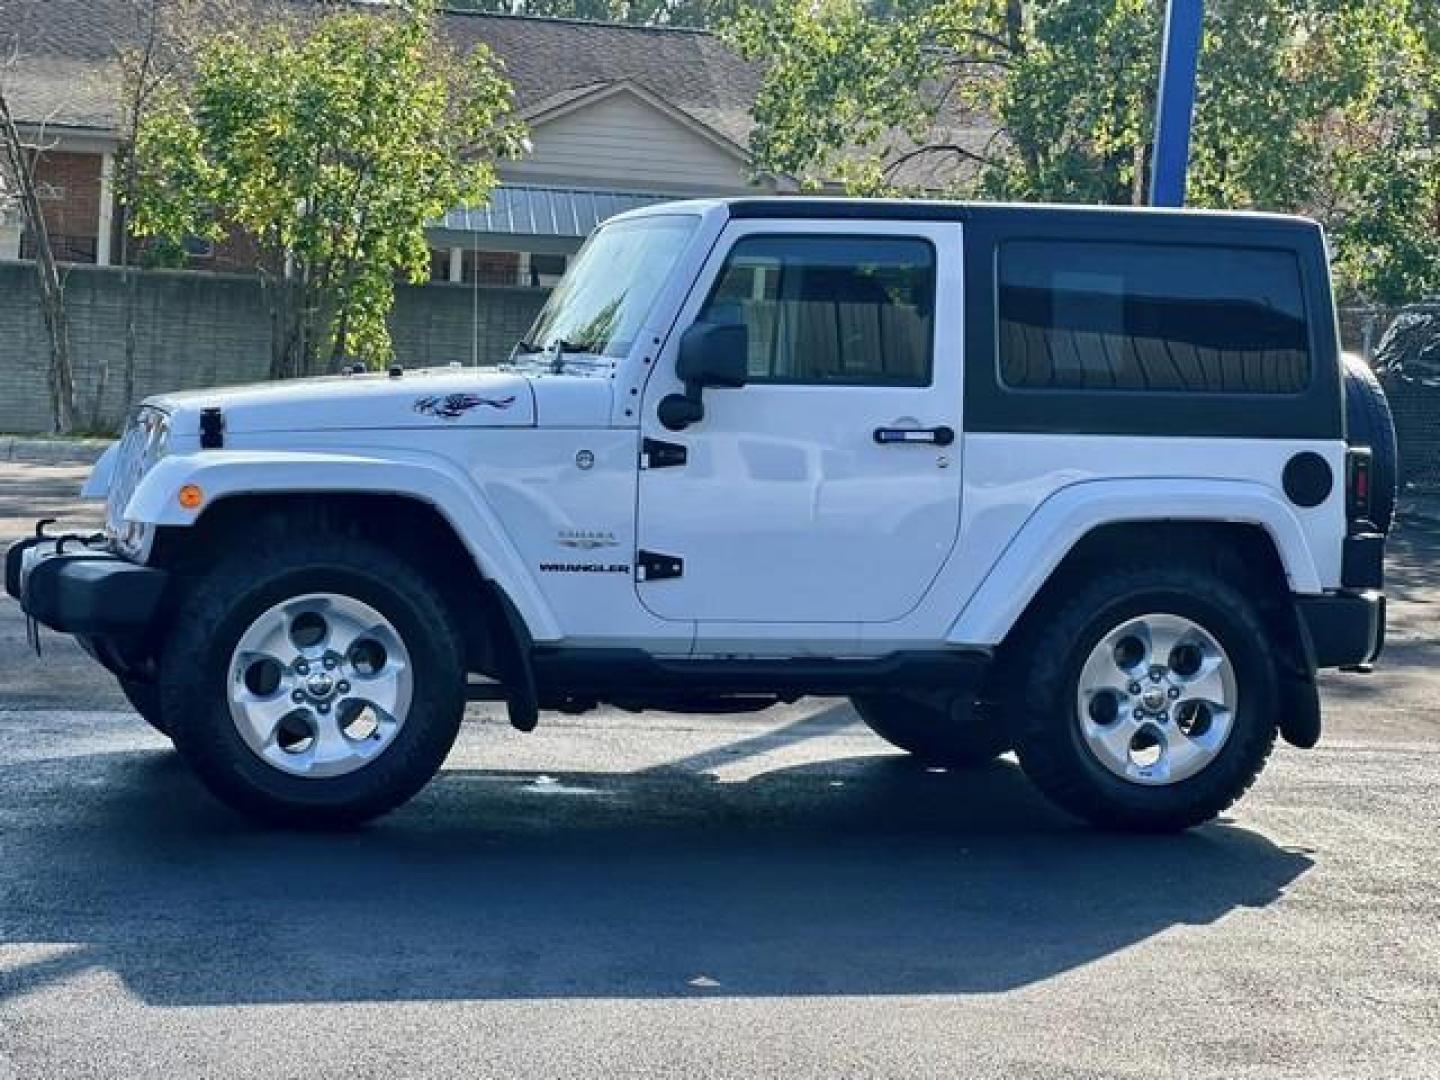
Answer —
657 454
653 566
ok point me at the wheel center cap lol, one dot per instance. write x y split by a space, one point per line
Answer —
319 685
1153 698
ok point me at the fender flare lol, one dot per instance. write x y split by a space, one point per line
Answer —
97 484
424 477
1064 518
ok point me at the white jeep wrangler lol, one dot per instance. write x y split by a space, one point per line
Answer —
1092 485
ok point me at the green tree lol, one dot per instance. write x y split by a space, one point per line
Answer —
332 142
1325 106
1380 152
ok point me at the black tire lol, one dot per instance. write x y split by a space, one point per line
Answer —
1051 747
217 610
954 733
144 698
1369 422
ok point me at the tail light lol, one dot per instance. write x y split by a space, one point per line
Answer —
1357 483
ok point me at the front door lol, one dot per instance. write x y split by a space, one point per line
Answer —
827 489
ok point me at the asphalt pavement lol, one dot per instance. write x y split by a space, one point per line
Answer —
657 895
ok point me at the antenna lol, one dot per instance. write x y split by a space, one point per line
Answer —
474 296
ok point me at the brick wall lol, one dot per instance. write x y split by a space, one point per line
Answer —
199 330
70 198
431 324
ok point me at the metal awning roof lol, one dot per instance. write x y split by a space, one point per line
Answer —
520 210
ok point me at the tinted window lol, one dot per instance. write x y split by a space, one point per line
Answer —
842 310
1151 317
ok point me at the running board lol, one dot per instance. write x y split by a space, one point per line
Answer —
627 673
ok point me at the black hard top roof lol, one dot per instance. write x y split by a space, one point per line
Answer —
814 208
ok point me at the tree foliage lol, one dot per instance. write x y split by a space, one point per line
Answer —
1323 106
331 143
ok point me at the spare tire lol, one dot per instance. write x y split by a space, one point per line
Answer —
1368 423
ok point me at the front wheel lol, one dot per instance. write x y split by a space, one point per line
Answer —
144 698
317 682
1152 703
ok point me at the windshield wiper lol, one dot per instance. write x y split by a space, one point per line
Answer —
562 347
557 349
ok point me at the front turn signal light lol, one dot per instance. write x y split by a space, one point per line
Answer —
191 497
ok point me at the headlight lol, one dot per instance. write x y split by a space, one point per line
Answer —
145 442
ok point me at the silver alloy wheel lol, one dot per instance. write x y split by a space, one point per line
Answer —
320 685
1156 699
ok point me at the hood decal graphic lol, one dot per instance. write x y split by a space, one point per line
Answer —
453 406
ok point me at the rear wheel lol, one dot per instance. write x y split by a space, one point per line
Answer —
1153 699
314 683
938 729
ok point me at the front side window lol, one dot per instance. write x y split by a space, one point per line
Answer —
601 303
1160 317
831 309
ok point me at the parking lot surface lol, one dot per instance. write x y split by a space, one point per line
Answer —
769 895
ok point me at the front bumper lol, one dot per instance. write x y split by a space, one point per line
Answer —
67 586
1345 629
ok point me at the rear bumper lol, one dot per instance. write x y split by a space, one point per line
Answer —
80 590
1345 629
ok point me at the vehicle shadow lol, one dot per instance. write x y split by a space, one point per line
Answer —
861 876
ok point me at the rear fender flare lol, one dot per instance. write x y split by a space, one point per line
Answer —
1066 516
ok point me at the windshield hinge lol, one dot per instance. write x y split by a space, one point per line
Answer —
657 454
212 428
653 566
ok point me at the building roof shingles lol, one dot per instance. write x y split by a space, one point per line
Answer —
67 73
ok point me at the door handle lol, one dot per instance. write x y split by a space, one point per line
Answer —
936 436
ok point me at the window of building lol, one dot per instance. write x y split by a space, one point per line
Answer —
546 270
491 267
65 248
841 309
439 265
1102 316
482 267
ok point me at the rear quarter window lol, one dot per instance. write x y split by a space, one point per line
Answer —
1172 318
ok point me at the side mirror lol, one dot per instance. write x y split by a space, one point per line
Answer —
714 354
710 354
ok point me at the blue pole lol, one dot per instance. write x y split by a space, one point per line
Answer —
1184 27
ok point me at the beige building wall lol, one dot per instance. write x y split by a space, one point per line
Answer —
622 142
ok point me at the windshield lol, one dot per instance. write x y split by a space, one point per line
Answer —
601 302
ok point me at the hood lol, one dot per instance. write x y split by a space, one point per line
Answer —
426 398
